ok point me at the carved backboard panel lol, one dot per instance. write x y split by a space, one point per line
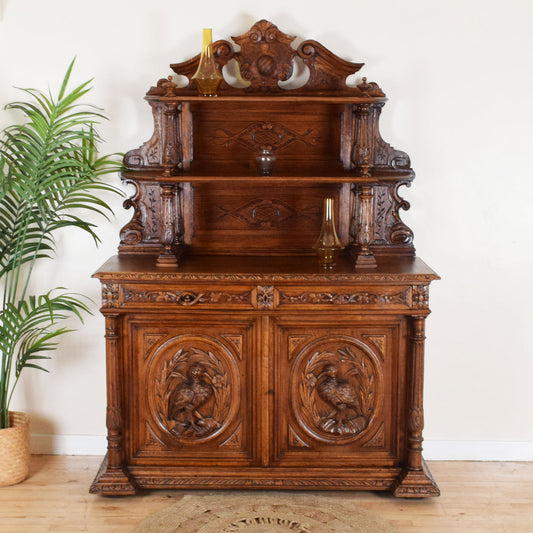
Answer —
307 137
260 218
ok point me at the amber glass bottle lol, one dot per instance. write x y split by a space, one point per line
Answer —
328 244
207 77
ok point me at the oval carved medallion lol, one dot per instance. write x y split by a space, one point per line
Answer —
336 388
195 387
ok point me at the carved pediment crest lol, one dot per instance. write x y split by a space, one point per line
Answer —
266 56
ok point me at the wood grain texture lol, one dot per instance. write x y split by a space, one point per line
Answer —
477 497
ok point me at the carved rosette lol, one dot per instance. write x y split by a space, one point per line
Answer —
420 296
265 297
193 389
336 389
110 295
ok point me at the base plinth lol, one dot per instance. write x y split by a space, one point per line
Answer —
113 482
366 261
416 484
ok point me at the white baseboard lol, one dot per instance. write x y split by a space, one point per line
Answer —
68 444
434 450
477 450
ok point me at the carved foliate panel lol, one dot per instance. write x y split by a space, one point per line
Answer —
188 296
336 388
266 135
191 397
194 387
327 297
335 397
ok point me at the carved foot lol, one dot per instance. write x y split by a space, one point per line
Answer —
416 484
167 260
366 261
113 482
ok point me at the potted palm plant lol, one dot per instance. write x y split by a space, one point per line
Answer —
50 178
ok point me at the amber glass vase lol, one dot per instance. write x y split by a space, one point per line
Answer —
207 77
328 244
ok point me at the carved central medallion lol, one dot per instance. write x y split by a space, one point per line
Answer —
336 388
266 136
195 388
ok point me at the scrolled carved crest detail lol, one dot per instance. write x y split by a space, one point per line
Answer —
266 56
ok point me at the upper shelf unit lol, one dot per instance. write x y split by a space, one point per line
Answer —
324 123
245 151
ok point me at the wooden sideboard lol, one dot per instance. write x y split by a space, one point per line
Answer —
234 359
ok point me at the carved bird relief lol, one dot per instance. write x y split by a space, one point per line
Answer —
342 396
186 400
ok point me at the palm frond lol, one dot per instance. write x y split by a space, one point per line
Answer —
51 177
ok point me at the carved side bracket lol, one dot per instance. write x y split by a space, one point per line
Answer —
163 152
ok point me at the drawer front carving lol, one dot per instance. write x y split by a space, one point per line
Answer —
192 389
336 395
186 296
327 297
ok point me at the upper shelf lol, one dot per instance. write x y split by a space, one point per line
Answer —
188 95
201 172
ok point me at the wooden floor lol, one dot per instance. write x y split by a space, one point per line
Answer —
476 497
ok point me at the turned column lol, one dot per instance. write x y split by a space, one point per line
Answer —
113 479
114 414
416 480
362 160
415 423
362 154
364 226
167 257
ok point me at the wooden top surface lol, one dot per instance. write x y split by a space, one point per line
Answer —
263 269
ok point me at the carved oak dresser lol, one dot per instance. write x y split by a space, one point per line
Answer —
234 360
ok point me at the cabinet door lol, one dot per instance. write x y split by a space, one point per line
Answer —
189 388
339 394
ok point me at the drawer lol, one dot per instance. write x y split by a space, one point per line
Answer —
178 296
350 297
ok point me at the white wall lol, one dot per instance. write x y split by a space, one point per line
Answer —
459 78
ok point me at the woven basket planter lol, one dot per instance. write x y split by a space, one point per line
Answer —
15 449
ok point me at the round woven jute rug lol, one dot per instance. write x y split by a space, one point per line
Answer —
262 513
